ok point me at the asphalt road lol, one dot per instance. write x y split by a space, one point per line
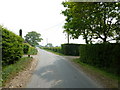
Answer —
54 71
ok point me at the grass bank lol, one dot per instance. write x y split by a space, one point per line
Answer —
11 71
109 80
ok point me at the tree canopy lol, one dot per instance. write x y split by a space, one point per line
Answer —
93 20
33 38
49 45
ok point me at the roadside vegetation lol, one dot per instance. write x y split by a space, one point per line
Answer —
10 71
14 48
96 69
65 49
110 80
29 50
55 50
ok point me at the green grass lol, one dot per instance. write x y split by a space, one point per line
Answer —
97 70
11 70
54 52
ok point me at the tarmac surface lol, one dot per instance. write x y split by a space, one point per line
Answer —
54 71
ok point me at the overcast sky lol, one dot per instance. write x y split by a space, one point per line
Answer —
42 16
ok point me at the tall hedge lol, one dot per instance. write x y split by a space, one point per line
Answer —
70 49
105 56
12 48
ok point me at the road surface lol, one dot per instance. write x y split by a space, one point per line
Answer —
54 71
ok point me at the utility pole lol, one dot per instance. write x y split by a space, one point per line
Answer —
68 37
20 32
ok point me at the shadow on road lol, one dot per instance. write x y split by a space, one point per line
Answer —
61 74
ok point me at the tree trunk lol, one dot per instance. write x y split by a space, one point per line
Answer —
104 40
68 38
85 37
86 41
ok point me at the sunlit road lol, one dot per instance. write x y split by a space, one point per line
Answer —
54 71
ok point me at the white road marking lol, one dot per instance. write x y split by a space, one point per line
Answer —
42 74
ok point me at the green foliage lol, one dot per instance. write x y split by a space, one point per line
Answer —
33 38
49 45
0 55
70 49
55 49
12 48
11 70
92 20
26 47
29 50
105 56
98 71
32 51
66 49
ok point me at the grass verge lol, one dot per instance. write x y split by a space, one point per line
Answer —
54 52
111 80
11 71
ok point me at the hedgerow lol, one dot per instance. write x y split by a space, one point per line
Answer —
70 49
104 56
12 48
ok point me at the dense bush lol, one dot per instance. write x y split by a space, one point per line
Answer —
70 49
26 47
12 48
105 56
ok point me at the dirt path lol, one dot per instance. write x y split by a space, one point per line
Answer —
22 78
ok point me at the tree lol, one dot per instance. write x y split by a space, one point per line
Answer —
33 38
92 20
77 20
49 45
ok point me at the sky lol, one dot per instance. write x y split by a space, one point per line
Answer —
42 16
